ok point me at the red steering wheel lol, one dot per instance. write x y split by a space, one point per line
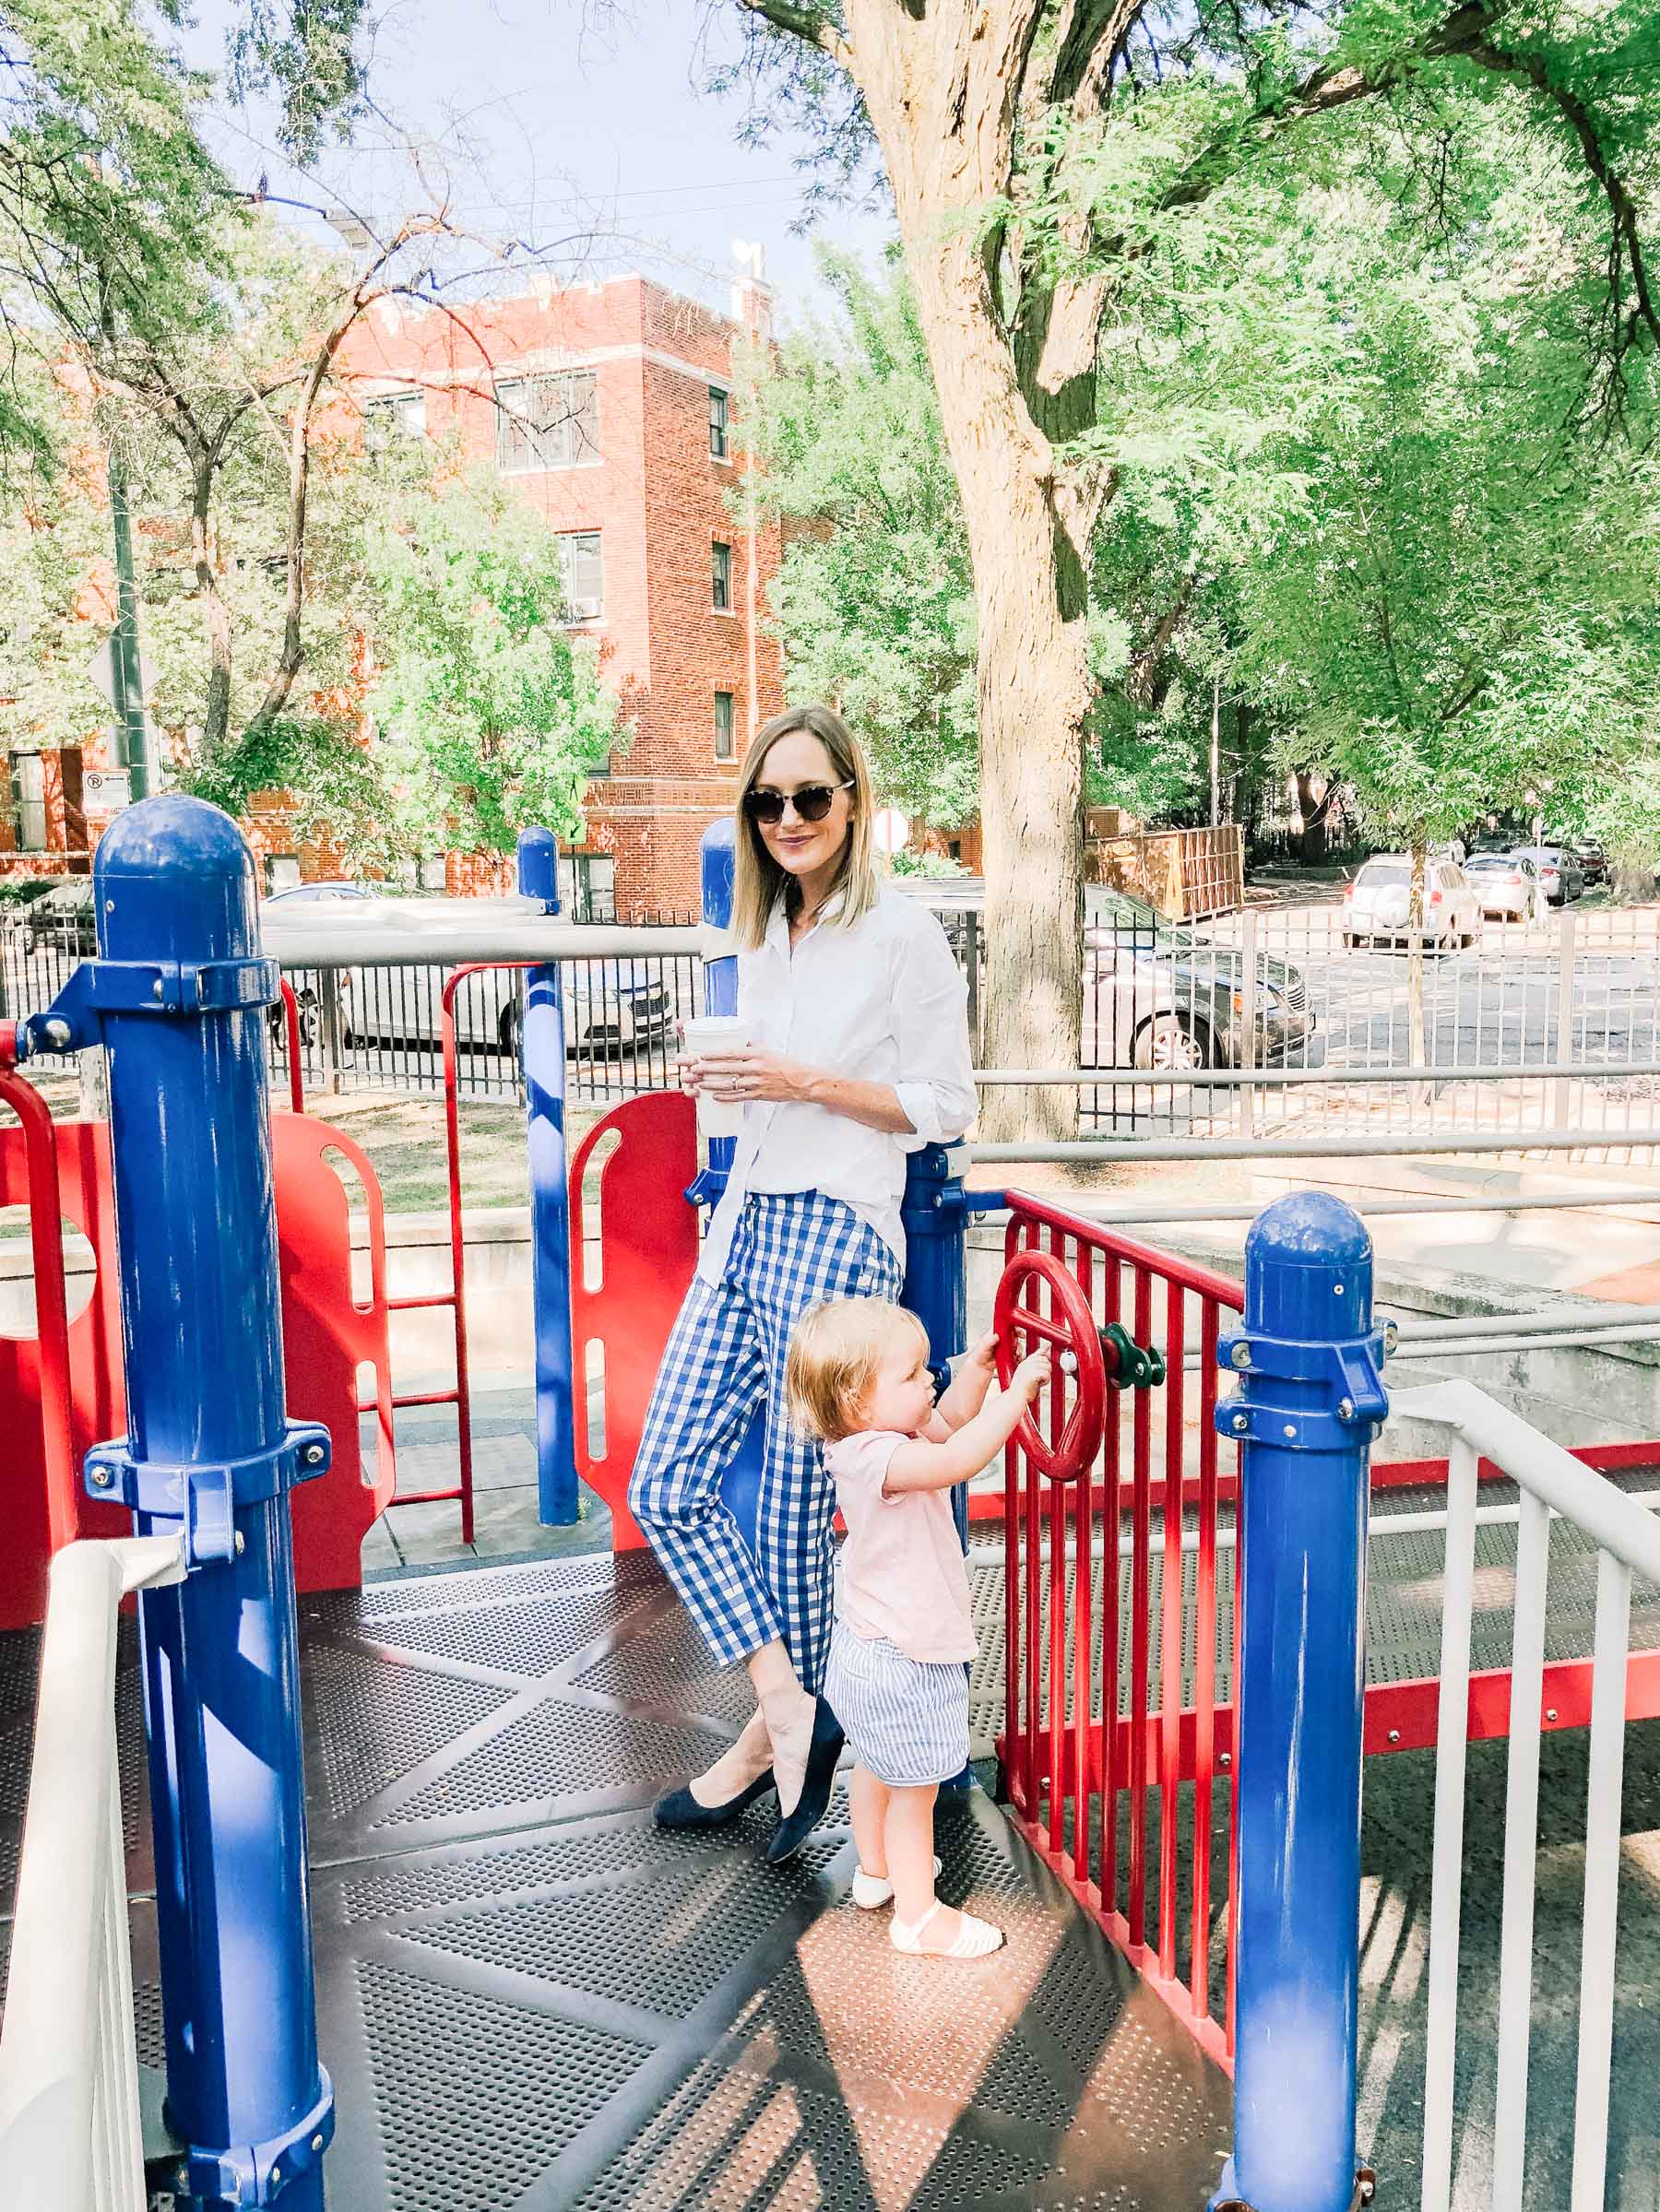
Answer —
1069 1330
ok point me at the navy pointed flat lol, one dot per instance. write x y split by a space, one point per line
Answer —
679 1809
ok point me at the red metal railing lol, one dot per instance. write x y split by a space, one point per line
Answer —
51 1304
1112 1769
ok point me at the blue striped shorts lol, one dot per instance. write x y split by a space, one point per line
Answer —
906 1718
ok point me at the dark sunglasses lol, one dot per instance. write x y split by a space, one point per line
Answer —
811 803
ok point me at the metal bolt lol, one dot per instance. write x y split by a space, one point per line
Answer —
109 906
313 1455
101 1477
1551 1712
1240 1356
58 1034
276 2176
1394 1735
1346 1408
1290 1429
241 1544
158 988
316 2142
1240 1424
1225 1759
1337 1289
1391 1335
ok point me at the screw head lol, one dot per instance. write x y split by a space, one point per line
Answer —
1290 1429
1394 1735
1225 1759
313 1455
57 1033
1551 1712
1240 1356
241 1543
100 1476
316 2142
1346 1408
158 988
1240 1424
276 2175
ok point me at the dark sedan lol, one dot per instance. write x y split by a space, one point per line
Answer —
1155 996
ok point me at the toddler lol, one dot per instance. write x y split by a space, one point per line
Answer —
858 1377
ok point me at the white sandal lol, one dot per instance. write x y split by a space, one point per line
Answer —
976 1938
870 1890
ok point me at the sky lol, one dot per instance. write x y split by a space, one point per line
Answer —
550 129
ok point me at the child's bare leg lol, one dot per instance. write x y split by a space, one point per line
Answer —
868 1800
908 1841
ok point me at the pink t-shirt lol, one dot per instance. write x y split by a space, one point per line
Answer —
903 1574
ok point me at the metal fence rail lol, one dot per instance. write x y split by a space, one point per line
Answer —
1628 1544
69 2118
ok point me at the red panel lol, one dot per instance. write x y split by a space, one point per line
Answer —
324 1337
649 1253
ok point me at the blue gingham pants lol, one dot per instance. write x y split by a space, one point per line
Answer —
725 1357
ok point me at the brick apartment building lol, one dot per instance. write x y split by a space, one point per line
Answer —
608 407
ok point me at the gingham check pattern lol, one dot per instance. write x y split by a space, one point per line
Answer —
725 1356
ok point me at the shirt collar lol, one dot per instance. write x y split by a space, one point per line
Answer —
778 926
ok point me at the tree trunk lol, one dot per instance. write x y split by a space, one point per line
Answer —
215 615
944 139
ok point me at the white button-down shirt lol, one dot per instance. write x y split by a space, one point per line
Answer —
882 1002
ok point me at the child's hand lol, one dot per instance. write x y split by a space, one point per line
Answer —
1030 1377
983 1356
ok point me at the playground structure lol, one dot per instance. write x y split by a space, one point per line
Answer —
1096 1756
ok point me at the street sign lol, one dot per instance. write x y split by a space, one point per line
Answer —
890 831
101 670
106 791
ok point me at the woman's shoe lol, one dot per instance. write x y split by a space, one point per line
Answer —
679 1809
795 1827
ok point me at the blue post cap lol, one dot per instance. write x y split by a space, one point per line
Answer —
717 852
1308 1269
539 866
172 877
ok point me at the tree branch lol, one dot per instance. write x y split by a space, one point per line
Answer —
802 23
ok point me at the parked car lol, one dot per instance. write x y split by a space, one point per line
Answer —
1593 860
1377 906
64 920
1560 875
610 1006
311 894
1506 884
1155 996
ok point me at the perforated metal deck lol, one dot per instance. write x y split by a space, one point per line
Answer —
531 1998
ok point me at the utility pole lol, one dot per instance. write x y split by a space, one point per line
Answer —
131 728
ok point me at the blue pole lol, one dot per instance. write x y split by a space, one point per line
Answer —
934 1211
543 1051
1311 1396
179 997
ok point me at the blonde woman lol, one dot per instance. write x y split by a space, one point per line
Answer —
858 1055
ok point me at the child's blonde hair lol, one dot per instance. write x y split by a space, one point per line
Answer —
834 1357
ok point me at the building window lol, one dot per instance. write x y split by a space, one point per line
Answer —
398 415
548 422
720 450
28 801
582 570
722 579
725 737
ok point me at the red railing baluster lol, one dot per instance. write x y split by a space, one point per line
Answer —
1140 1624
1111 1521
1057 1599
1083 1635
1204 1658
1169 1665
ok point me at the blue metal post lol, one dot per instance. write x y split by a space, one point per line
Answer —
935 1213
543 1052
1310 1395
179 999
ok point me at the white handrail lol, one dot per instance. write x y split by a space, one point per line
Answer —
1553 1484
70 2139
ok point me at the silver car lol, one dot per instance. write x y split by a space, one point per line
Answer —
1507 885
611 1006
1561 876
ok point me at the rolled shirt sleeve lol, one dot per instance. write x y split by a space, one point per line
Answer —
935 1083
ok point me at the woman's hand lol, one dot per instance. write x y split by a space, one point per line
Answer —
750 1071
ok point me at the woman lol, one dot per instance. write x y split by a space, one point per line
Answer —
857 1055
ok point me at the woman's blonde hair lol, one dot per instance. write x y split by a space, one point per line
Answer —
834 1357
757 879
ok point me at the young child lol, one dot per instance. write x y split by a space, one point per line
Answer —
858 1378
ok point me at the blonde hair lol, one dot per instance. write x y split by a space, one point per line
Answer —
834 1357
757 879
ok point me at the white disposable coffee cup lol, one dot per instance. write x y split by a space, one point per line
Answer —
716 1033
